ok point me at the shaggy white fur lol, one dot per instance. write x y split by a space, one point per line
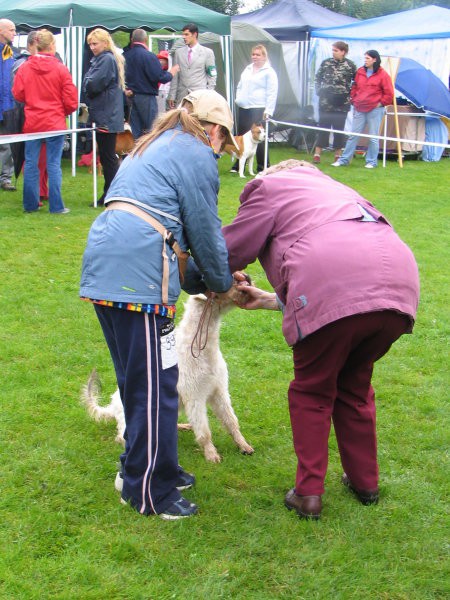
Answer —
203 379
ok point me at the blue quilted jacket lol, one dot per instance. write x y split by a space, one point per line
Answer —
175 180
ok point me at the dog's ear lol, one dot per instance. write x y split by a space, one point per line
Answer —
200 297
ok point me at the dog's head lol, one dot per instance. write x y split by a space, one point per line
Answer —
124 142
258 132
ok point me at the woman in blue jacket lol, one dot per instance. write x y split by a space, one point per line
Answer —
131 275
103 86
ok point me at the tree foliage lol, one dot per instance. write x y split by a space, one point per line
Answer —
367 9
226 7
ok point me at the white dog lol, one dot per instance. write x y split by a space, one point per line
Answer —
203 378
247 147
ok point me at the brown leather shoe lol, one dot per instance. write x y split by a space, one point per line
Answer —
366 497
307 507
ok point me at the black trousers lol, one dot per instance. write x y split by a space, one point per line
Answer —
106 143
246 118
332 120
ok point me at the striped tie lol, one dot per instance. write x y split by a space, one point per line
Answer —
189 55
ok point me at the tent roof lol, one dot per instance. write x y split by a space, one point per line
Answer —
426 22
114 14
289 19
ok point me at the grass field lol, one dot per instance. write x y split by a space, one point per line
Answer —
64 533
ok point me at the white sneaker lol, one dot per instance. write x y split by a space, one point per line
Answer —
369 166
118 482
336 164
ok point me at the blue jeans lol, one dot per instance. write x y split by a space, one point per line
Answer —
373 120
31 173
144 109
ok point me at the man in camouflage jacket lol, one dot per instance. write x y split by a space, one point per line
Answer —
333 83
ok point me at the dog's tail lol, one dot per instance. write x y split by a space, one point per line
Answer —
90 397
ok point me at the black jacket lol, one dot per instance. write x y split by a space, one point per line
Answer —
143 71
103 93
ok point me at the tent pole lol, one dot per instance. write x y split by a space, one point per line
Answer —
393 72
266 145
94 164
397 133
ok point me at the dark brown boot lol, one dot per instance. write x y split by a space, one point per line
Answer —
307 507
366 497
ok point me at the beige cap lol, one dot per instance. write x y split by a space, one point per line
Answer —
210 106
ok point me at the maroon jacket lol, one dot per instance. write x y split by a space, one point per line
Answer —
46 88
323 261
368 92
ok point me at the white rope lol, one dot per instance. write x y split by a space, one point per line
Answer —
349 133
12 138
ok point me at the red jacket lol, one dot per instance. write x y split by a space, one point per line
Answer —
46 88
368 92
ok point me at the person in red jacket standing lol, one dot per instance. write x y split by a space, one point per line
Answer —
372 90
46 88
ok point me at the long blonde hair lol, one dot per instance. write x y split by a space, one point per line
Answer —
170 120
100 35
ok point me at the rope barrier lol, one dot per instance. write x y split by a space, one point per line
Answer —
352 133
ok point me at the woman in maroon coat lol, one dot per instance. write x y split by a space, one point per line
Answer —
348 288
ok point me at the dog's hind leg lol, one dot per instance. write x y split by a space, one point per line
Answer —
221 405
198 418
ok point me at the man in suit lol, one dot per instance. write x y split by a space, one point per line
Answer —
197 67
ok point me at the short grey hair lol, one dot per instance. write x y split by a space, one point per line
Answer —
284 165
139 35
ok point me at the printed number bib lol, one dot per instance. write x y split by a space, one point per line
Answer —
168 350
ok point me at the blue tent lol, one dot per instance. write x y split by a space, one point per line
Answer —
420 23
422 34
292 20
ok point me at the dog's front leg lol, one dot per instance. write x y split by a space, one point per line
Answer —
242 162
251 161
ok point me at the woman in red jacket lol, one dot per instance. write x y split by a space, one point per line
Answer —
372 90
46 88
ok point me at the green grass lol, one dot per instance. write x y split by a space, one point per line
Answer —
64 533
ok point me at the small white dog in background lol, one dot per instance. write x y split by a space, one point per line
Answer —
203 379
247 148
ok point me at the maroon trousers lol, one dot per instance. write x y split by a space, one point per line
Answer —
332 382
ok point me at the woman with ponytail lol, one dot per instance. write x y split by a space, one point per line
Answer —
162 203
103 86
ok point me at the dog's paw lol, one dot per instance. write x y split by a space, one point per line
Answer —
212 455
246 449
184 427
242 176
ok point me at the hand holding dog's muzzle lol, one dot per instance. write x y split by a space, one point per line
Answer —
233 295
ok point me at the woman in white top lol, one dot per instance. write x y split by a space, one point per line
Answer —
256 95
